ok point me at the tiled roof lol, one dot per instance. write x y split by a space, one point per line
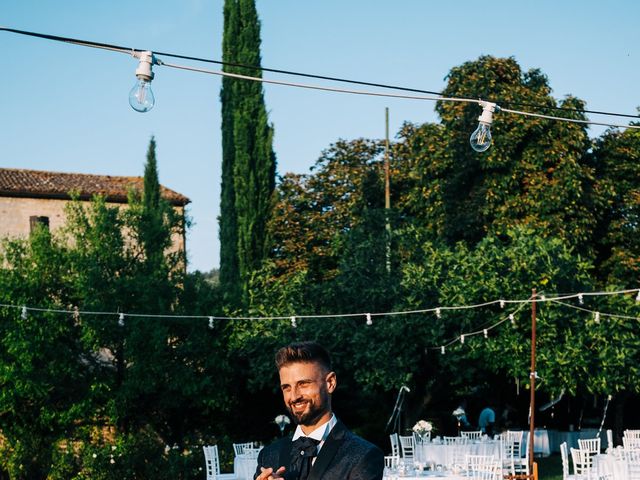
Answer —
38 184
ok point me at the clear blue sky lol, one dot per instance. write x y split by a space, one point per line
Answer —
65 108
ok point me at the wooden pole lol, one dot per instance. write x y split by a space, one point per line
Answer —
532 379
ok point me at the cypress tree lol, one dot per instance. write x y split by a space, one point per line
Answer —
153 233
248 160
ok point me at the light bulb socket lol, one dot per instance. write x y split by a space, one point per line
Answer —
486 116
144 70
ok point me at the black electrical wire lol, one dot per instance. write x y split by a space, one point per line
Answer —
293 73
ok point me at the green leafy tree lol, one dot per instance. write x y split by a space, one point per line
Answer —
249 164
44 380
536 173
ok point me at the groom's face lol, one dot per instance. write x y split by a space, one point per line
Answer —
306 389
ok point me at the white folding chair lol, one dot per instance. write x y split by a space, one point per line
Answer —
240 448
592 445
632 458
407 444
564 454
609 440
511 451
631 443
476 435
212 464
483 467
582 463
391 462
395 445
454 440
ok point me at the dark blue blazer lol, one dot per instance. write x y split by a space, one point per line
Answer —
343 456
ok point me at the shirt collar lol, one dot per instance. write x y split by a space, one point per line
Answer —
321 433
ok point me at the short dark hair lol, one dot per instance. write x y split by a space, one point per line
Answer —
303 352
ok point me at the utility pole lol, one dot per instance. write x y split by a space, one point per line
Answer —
387 189
533 467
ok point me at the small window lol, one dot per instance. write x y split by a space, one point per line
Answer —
34 221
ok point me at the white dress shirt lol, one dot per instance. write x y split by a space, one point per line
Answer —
321 433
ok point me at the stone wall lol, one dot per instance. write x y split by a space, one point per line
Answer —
15 214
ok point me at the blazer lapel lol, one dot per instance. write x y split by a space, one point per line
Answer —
285 456
328 451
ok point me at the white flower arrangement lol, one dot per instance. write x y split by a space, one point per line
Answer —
282 420
422 427
459 413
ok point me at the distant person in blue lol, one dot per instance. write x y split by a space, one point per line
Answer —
461 415
487 420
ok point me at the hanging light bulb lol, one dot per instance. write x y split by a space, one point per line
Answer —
442 349
210 323
369 321
121 319
141 96
480 139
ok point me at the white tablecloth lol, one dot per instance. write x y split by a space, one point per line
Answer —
557 437
610 465
244 465
440 454
541 442
426 475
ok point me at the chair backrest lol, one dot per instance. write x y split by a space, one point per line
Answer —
582 462
631 443
395 445
454 440
483 467
476 435
632 459
632 433
408 446
391 462
564 454
212 461
592 445
240 448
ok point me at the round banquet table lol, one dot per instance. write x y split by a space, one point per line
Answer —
441 454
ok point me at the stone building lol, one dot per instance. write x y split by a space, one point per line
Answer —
31 197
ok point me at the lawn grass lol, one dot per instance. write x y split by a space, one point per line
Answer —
550 468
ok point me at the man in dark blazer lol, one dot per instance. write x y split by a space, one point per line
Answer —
321 447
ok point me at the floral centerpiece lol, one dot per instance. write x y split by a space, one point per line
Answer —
459 413
423 429
282 421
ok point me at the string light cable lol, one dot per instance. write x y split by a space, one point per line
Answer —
127 50
147 96
594 312
502 302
